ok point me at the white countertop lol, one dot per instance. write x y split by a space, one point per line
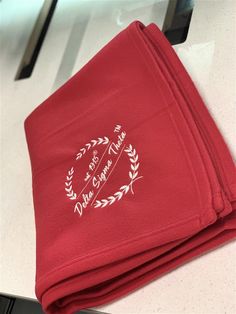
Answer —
206 285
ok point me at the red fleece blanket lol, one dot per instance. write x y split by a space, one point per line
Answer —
131 177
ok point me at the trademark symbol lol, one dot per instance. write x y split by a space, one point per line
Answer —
117 128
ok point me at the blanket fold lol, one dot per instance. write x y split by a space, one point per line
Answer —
130 175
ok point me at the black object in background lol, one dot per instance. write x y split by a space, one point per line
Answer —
15 305
177 20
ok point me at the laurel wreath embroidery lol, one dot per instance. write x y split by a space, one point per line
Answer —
68 185
133 175
92 143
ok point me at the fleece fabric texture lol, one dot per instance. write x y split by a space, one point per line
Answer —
130 175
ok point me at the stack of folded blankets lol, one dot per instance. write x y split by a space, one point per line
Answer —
130 175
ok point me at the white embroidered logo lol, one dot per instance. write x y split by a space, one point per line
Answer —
114 150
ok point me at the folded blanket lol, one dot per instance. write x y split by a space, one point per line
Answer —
131 177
